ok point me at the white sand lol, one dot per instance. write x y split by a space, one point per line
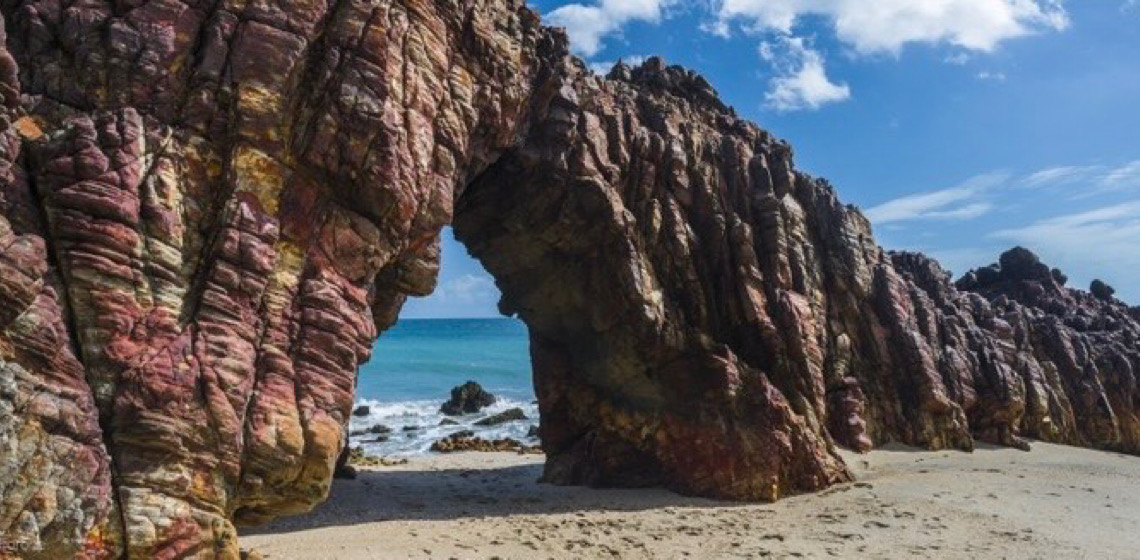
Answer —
1053 502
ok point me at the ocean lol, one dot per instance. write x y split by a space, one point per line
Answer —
415 364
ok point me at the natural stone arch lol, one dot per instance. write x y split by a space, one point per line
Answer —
209 212
613 233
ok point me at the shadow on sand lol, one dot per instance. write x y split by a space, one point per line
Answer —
420 495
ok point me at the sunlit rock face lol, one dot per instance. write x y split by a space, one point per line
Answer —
208 212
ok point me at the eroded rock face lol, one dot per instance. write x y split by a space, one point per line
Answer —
208 212
213 209
1075 355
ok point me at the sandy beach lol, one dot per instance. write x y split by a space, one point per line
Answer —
1052 502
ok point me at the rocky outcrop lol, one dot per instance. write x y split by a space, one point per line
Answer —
465 442
1074 356
467 398
509 415
208 212
1102 291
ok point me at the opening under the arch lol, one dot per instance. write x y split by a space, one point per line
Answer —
442 341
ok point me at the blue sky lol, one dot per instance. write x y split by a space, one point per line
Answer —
961 127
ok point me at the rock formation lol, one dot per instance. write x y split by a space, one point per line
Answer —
208 212
466 442
467 398
509 415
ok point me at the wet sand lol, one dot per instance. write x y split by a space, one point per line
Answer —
1052 502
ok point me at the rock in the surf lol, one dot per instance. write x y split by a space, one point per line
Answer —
509 415
467 398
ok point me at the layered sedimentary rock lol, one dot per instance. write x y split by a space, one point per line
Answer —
208 211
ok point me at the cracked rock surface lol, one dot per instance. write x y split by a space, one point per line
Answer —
209 210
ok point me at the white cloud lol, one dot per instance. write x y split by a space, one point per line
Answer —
1062 175
866 26
587 26
876 27
966 212
957 203
1124 177
957 59
802 81
467 289
885 26
1087 180
991 76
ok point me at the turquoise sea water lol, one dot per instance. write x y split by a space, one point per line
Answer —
415 364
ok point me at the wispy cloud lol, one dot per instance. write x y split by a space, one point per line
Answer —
991 76
801 81
962 202
1088 180
957 59
1124 177
1062 175
1098 242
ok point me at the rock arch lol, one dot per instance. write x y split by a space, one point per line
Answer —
208 211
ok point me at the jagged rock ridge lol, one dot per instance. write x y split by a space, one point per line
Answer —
208 211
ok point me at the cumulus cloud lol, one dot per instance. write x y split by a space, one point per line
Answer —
588 25
801 81
865 26
885 26
962 202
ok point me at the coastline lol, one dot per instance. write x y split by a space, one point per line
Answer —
1054 501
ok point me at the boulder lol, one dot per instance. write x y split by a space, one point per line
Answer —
1101 291
1060 277
509 415
467 398
1020 263
379 429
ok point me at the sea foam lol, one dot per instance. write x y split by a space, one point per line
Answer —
424 416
